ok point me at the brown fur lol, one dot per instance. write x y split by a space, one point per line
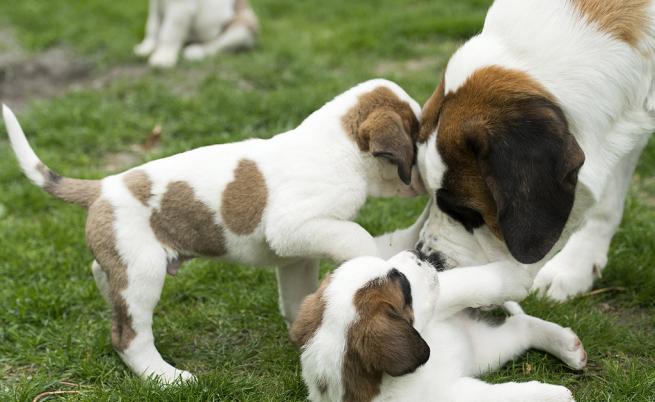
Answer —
101 239
386 126
310 316
186 224
244 199
381 341
243 17
626 20
468 113
431 109
139 184
76 191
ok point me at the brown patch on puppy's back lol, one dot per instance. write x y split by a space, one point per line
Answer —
627 20
101 239
186 224
139 184
244 199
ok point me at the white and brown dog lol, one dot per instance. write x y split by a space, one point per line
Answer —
398 330
210 26
287 201
536 129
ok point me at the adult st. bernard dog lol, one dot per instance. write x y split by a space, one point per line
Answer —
536 128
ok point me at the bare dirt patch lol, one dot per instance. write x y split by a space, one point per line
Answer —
24 76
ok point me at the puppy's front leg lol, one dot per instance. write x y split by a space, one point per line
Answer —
174 31
295 281
392 243
153 22
484 285
324 238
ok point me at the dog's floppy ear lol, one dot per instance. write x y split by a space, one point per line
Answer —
393 345
310 316
529 161
385 136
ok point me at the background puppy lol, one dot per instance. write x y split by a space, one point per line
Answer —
286 201
550 91
395 331
212 26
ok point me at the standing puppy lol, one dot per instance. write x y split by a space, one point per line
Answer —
212 26
398 330
537 127
286 201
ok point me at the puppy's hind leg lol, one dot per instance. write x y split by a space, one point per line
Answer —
473 390
130 271
295 281
239 34
493 346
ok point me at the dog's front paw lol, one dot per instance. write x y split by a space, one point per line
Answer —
163 58
548 393
568 347
194 52
560 283
145 48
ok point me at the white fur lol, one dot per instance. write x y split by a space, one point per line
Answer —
206 23
461 347
606 89
316 177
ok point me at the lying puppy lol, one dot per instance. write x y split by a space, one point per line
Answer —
398 330
548 89
212 26
287 201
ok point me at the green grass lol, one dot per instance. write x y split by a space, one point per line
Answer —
217 320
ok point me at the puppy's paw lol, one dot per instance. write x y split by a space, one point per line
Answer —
550 393
194 52
516 282
163 58
569 349
145 48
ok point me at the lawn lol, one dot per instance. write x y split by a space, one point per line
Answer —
220 321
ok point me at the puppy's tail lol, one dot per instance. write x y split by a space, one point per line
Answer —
513 308
80 192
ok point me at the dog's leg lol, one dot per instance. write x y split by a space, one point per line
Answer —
572 271
101 281
493 346
174 31
474 390
295 281
153 22
393 243
484 285
324 238
239 35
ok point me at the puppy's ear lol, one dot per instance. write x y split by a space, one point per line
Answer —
390 344
310 316
385 136
530 162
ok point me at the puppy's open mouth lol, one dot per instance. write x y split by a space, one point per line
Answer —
435 258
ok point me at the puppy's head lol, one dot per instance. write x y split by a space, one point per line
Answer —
384 123
362 324
497 150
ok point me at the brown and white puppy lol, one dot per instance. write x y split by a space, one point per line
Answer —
536 128
286 201
398 330
212 26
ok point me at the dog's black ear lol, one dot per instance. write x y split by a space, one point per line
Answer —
385 136
530 162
